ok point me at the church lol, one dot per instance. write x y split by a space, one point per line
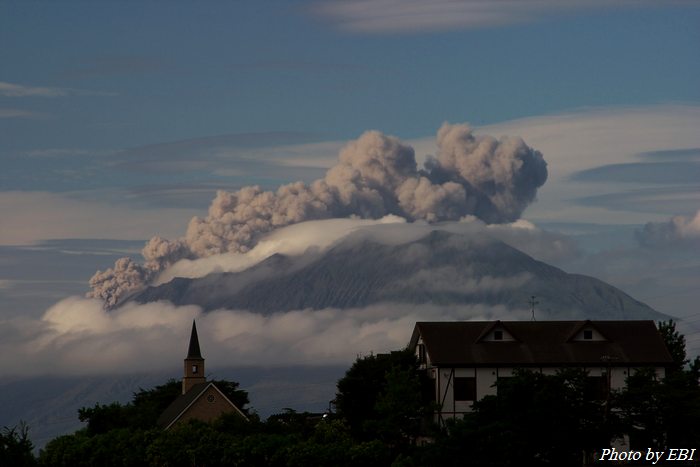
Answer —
200 400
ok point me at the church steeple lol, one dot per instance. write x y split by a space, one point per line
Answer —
194 363
194 351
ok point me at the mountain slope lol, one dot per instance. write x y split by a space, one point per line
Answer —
440 268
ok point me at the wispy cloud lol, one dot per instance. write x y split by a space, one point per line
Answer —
416 16
28 217
20 90
673 172
21 113
58 152
269 157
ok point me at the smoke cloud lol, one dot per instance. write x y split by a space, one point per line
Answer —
376 175
678 230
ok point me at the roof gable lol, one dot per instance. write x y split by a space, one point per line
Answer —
497 332
183 403
587 332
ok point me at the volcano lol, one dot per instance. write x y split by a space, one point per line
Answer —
441 268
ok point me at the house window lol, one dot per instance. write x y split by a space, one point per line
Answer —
465 389
498 335
587 334
596 388
194 369
421 353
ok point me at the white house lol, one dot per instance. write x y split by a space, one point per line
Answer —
466 358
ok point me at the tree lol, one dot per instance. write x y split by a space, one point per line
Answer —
16 447
675 343
372 394
127 434
146 406
399 407
535 419
640 404
663 413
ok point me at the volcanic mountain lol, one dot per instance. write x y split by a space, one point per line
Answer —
441 268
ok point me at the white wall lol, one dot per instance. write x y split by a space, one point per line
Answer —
487 377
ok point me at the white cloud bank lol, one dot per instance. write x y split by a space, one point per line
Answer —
77 336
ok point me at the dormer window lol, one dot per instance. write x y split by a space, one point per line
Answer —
588 333
497 334
195 368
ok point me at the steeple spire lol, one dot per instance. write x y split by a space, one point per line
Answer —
194 363
194 351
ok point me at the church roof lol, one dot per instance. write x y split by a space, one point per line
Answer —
180 405
193 351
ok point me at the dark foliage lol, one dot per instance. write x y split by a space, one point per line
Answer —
147 405
381 397
16 447
535 419
662 413
675 343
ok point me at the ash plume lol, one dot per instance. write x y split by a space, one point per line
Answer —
376 175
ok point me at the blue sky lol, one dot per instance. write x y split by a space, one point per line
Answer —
120 120
137 73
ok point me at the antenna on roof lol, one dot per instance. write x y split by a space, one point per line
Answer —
532 303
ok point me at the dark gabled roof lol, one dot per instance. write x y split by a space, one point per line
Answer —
175 410
193 351
541 343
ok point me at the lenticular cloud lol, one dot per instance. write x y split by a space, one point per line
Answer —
376 175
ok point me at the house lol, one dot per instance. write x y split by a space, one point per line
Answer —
465 359
200 400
